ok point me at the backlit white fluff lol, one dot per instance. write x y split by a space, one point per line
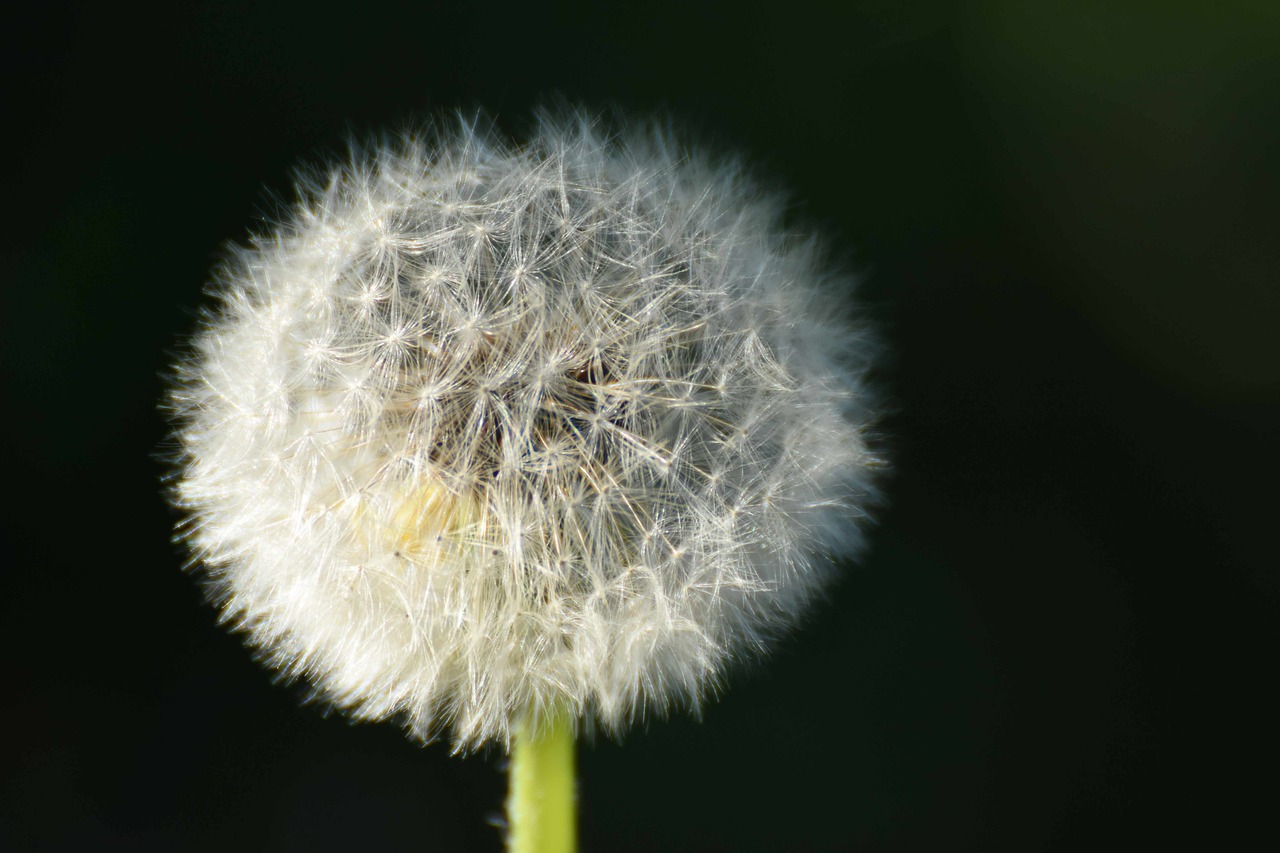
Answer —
482 431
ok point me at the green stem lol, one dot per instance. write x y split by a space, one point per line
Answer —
542 800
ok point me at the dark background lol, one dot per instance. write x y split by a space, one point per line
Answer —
1065 216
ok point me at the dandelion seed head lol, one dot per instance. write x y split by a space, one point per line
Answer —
486 432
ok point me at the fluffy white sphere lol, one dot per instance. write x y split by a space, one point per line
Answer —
483 433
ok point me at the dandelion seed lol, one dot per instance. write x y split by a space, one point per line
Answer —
485 433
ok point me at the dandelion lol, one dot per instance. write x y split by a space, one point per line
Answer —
491 439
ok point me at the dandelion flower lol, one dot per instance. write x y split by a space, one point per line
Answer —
485 433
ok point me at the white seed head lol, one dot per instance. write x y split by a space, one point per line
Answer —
485 433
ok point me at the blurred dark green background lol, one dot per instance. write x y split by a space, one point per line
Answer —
1066 220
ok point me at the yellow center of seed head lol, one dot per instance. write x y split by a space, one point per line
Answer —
429 519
